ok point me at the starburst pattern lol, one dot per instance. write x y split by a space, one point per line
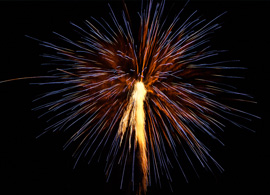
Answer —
143 95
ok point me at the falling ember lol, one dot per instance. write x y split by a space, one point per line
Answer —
135 117
138 96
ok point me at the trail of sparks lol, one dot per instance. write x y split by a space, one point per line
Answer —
135 117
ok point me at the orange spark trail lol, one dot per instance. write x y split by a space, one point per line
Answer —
135 117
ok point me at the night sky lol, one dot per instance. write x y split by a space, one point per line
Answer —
41 166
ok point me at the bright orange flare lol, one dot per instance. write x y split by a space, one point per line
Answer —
135 117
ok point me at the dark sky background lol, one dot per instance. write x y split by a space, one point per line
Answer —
40 166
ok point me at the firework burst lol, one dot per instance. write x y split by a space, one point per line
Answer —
140 95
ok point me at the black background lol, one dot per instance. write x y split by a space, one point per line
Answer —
40 166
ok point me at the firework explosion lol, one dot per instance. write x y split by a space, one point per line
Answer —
140 95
